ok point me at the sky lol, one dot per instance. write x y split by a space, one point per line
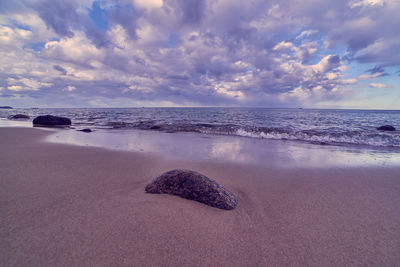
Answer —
133 53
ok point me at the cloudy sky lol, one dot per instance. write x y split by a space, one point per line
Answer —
269 53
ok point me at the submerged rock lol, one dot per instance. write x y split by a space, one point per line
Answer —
49 120
86 130
19 117
194 186
386 128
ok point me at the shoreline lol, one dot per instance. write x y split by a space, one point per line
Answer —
75 205
73 138
7 123
231 149
358 130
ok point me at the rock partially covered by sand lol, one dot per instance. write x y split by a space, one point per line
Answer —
194 186
49 120
19 117
86 130
386 128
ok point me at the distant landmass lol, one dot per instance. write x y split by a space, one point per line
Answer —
5 107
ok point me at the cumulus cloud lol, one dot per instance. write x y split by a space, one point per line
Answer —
25 84
200 52
148 4
327 63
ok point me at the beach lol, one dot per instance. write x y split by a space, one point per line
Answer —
70 205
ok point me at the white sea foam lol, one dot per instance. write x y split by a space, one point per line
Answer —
382 139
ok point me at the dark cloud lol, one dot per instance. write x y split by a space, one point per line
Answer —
378 69
60 69
97 37
178 77
126 16
61 16
193 10
334 60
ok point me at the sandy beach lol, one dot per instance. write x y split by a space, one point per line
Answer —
65 205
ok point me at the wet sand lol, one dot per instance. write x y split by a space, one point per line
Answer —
64 205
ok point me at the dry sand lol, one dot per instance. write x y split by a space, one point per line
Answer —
64 205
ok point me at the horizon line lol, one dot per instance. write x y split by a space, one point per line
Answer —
298 108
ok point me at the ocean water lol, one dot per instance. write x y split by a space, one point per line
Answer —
323 127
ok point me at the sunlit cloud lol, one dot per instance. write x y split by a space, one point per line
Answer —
380 85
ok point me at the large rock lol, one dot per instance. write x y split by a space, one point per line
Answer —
194 186
49 120
386 128
19 117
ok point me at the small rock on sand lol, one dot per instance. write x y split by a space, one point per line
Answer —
19 117
86 130
194 186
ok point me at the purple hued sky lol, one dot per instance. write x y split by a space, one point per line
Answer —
270 53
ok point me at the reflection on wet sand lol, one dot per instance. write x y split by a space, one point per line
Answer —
229 151
230 148
15 123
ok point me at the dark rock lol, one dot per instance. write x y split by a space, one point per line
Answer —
19 117
49 120
155 127
6 107
194 186
386 128
86 130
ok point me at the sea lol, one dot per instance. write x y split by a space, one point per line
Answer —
318 126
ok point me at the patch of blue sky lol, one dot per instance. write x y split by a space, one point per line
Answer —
172 40
339 50
18 25
355 69
392 71
392 80
38 46
97 15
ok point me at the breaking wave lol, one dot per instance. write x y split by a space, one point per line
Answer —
327 138
370 137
